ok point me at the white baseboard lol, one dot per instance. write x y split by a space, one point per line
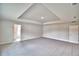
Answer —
4 43
63 40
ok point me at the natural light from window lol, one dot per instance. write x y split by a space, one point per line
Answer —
17 32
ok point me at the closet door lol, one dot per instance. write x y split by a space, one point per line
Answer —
73 33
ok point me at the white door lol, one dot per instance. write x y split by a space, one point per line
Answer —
73 33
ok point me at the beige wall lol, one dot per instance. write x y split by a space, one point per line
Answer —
30 31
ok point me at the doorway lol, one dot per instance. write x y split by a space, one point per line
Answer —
17 32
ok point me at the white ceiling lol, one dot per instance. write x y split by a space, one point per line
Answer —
65 11
38 12
51 12
12 10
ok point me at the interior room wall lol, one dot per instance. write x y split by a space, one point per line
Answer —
0 31
64 32
56 31
6 32
30 31
74 33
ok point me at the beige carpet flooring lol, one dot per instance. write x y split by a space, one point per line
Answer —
40 47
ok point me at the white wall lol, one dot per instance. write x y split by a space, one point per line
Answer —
74 33
30 31
0 31
56 31
64 32
7 32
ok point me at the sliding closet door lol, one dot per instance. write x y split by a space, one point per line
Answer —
73 33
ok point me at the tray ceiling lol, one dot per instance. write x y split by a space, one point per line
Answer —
38 12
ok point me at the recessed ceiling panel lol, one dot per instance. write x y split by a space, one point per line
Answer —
38 12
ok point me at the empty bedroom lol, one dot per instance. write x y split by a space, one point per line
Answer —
39 29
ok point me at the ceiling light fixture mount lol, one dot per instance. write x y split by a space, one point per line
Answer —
42 17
